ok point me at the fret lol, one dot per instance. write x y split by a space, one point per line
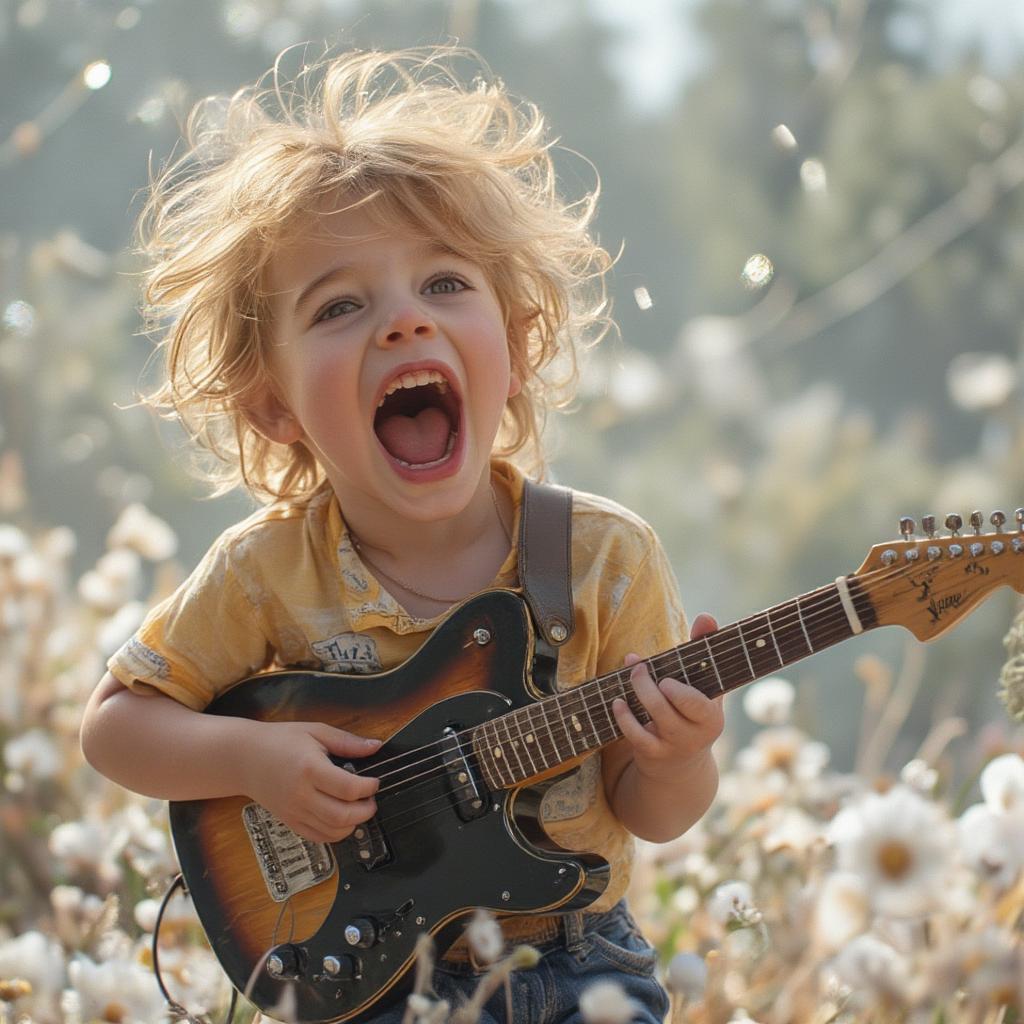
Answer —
595 735
678 652
746 653
791 634
714 665
512 745
735 670
607 715
803 626
529 739
547 738
630 696
569 723
771 633
486 754
699 669
760 647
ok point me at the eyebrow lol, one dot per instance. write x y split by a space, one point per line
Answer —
344 269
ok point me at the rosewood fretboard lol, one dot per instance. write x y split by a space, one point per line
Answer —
531 740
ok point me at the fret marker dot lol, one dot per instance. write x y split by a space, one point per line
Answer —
760 642
497 751
576 724
529 737
703 664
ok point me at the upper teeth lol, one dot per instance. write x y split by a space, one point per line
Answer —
415 379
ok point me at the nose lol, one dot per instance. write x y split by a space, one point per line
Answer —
406 324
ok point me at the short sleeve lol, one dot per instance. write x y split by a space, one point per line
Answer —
647 617
206 636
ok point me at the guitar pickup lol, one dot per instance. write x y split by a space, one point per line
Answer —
371 847
470 796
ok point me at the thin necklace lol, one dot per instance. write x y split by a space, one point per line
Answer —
357 544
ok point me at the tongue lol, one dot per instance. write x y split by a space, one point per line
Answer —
416 439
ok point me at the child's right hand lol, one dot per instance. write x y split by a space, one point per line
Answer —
291 774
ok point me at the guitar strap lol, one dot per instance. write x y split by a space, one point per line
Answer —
545 571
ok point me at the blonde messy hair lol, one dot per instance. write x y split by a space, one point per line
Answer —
458 162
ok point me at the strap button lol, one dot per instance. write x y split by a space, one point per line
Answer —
558 630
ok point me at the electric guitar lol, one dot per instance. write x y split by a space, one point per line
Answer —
471 743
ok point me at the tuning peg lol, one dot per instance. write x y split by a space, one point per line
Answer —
907 527
928 525
953 524
997 519
1018 514
977 521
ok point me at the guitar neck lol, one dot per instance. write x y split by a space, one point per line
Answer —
533 740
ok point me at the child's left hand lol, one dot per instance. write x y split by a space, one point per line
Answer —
684 723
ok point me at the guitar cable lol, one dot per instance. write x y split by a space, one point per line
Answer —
176 1010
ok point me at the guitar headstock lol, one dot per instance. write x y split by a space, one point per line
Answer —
927 584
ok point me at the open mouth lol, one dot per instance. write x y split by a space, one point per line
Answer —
417 420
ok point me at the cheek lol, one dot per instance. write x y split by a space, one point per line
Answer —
326 385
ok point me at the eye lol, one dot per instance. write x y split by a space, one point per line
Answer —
446 284
337 308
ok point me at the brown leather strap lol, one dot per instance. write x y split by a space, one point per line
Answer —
545 559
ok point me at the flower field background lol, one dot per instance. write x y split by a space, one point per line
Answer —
819 209
807 894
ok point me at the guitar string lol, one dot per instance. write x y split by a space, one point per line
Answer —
603 734
445 798
826 599
832 613
572 700
396 823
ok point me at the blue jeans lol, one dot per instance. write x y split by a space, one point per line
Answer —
594 947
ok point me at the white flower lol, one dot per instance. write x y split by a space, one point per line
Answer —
179 911
770 701
483 933
40 961
137 528
992 844
118 989
33 754
605 1002
841 910
12 542
901 845
114 581
732 903
784 751
687 975
1002 784
873 969
919 775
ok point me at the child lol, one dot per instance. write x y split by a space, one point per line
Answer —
362 299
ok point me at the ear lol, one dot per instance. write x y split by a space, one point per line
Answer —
267 414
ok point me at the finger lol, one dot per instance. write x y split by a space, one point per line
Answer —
334 817
702 625
647 689
342 743
688 701
636 735
342 784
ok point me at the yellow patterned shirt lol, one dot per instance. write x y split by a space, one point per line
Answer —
285 588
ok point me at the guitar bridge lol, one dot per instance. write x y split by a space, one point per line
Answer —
470 796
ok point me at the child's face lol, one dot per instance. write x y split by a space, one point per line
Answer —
393 369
